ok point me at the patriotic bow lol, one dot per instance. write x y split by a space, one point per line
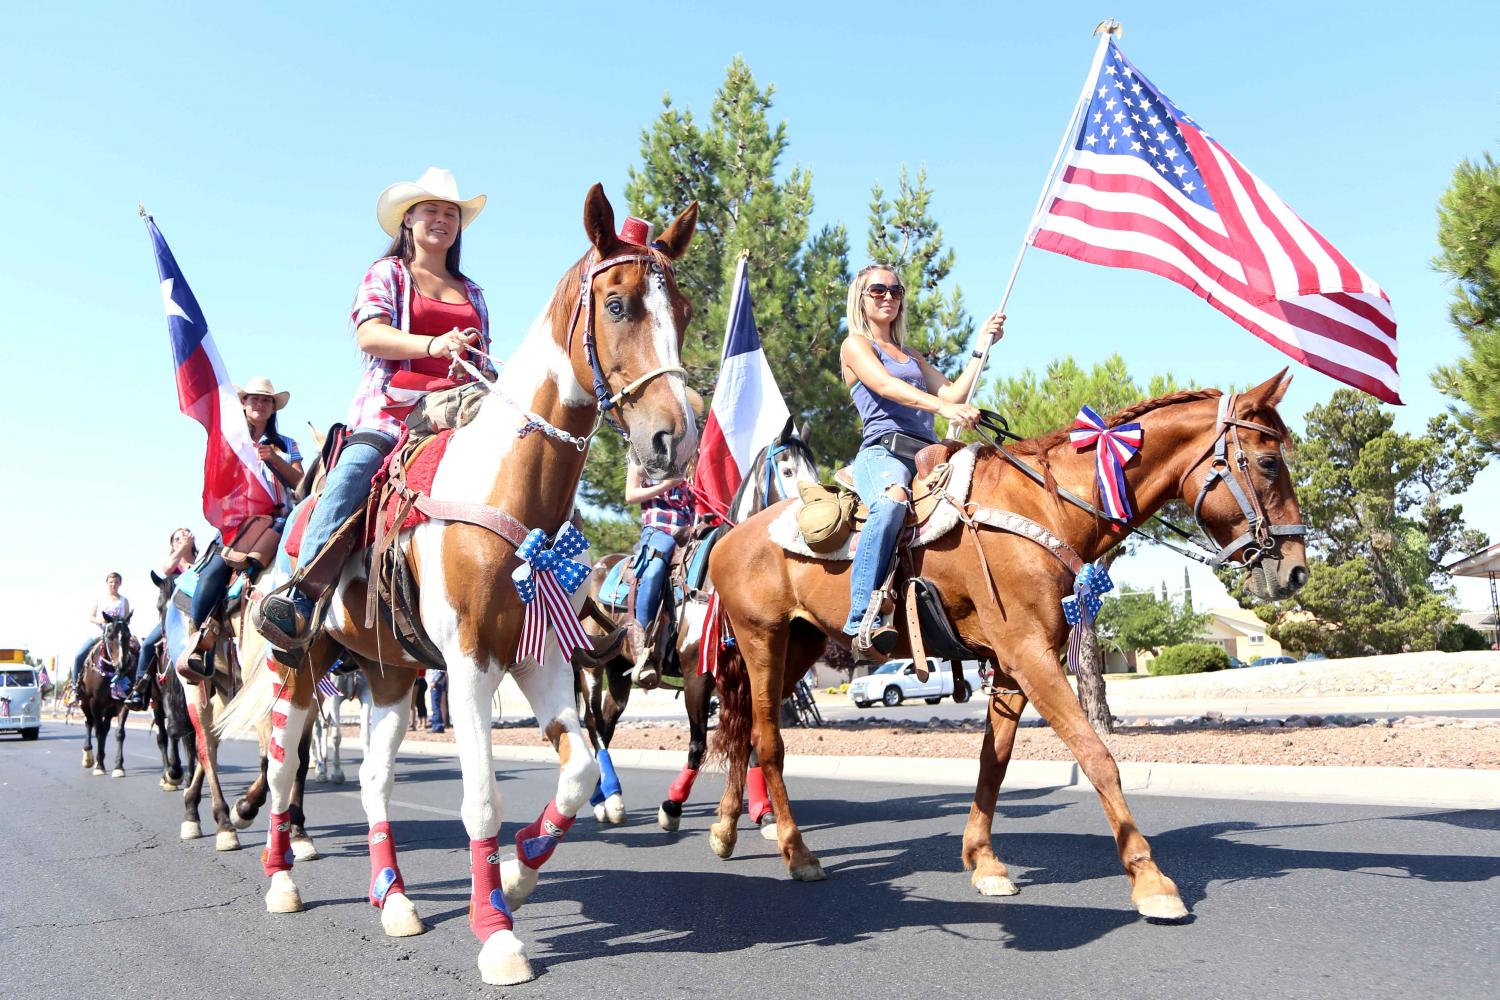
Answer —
1082 606
1115 447
549 572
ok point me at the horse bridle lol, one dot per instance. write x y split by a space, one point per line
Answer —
659 265
1260 533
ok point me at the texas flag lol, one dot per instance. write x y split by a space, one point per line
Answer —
236 483
747 412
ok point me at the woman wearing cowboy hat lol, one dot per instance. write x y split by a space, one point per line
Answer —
415 312
281 456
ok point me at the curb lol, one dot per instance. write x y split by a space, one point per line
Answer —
1416 787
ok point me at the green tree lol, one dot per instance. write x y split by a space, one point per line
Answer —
1136 620
610 533
904 235
1037 405
1378 505
1469 234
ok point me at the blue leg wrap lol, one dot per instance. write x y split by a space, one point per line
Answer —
609 781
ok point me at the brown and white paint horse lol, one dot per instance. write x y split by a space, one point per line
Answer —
633 312
780 606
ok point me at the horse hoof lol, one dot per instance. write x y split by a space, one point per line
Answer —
88 759
338 777
809 873
283 896
303 849
518 881
995 885
227 840
168 786
99 770
118 772
191 830
768 827
1162 907
614 808
667 821
239 819
502 961
599 815
398 916
722 846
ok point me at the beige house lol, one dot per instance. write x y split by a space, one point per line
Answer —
1237 631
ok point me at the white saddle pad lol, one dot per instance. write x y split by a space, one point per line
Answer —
784 532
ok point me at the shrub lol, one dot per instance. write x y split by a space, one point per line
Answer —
1189 658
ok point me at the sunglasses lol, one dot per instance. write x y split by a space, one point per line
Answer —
878 291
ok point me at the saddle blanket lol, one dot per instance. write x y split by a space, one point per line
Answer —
419 477
615 591
784 531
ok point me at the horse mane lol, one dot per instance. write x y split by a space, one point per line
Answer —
1044 443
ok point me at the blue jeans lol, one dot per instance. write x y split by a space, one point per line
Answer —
213 583
436 688
347 488
83 654
653 579
875 471
148 650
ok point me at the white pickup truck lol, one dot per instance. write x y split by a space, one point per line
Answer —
897 680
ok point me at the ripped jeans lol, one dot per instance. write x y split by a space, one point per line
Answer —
875 471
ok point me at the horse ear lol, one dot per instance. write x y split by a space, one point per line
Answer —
805 433
1270 392
674 241
599 221
786 432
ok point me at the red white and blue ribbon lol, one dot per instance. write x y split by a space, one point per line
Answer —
1082 606
546 578
1115 446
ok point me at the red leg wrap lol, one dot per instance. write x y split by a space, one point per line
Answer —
755 785
277 856
487 910
385 873
683 786
535 843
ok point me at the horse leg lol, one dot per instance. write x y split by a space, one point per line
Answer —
88 740
609 799
766 687
159 720
1155 895
119 771
248 805
192 792
389 710
302 845
289 713
991 877
319 742
335 736
101 738
696 690
548 691
502 960
201 711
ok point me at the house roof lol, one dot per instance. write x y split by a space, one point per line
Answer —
1240 620
1481 563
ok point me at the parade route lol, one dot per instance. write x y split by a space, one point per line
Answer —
1288 899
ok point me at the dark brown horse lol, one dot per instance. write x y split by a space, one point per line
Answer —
113 653
1221 455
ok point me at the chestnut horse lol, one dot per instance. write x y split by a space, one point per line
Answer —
611 334
1222 455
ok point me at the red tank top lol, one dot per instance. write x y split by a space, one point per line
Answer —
431 318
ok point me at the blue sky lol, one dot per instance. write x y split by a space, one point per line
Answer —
259 137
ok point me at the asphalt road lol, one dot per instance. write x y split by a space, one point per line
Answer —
99 898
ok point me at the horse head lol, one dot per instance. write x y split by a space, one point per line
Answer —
775 472
633 319
1240 490
117 638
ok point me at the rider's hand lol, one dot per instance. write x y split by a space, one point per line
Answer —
452 344
993 330
265 452
960 414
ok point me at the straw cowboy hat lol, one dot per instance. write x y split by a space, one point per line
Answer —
261 386
436 184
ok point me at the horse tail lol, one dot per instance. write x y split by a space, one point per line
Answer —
259 689
733 683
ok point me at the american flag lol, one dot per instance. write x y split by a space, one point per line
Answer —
1144 186
327 687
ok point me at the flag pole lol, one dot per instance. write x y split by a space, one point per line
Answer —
1106 29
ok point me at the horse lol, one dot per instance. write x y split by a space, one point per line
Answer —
112 653
606 346
1002 589
774 474
328 735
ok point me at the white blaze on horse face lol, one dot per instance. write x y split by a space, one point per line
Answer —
664 335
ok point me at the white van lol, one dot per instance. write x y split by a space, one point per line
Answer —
20 702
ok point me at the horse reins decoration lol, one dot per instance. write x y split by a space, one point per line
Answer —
1260 533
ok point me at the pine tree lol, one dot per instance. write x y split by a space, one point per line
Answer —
1469 233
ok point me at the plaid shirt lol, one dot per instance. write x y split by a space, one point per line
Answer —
386 293
672 510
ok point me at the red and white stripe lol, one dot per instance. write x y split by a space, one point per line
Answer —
551 606
1255 260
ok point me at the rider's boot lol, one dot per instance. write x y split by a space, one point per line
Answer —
874 637
643 670
285 619
196 662
140 690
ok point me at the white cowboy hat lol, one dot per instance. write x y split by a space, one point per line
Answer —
261 386
436 184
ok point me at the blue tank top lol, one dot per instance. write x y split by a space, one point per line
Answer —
880 416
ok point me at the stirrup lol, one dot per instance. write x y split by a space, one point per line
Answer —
875 638
275 635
